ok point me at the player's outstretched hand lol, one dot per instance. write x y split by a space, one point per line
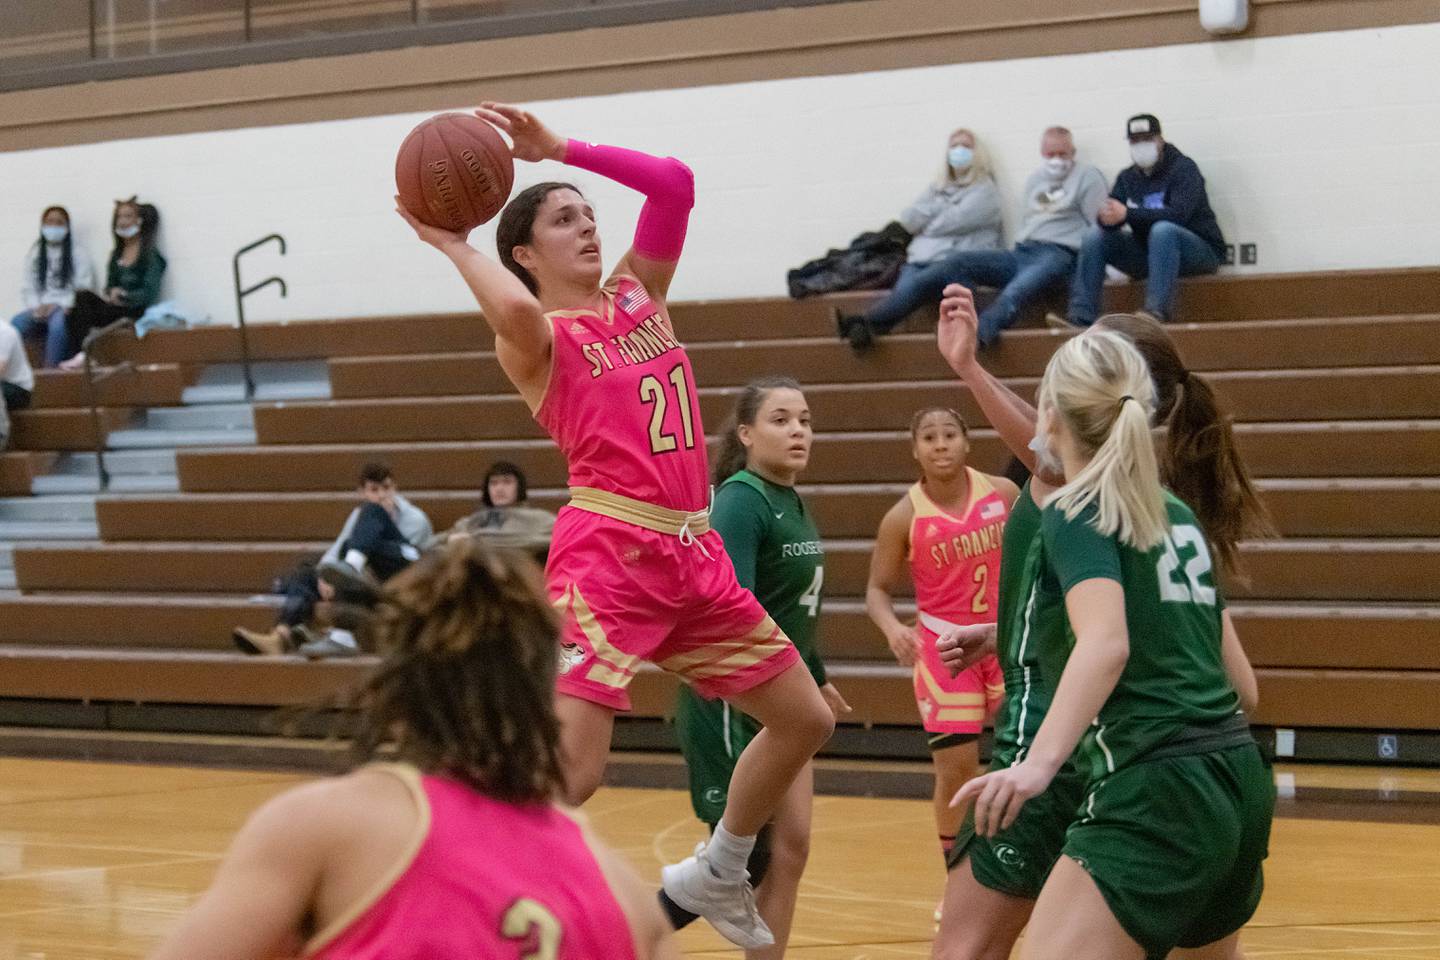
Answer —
529 138
962 647
835 701
904 644
956 332
437 237
998 796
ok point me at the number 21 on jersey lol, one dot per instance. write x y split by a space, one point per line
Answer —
654 394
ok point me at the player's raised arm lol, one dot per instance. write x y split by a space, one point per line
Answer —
522 334
1012 417
669 189
668 186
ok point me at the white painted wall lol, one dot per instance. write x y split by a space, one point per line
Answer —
1320 148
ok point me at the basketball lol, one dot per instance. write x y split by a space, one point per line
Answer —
454 171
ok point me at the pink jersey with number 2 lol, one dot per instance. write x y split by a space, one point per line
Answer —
621 401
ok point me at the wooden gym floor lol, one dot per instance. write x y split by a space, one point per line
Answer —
98 860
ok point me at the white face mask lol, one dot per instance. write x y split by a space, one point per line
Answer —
1059 168
1046 459
125 233
1145 153
54 234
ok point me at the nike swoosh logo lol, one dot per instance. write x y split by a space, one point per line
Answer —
779 515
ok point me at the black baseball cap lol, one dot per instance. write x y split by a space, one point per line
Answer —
1142 126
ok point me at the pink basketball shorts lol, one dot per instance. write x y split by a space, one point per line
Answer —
627 595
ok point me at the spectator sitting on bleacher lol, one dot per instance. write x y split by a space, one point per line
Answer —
17 379
959 212
132 280
504 518
1172 230
54 270
381 537
1058 205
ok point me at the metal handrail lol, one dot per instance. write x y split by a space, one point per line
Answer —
92 395
241 294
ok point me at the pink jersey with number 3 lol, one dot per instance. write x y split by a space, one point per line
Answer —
484 878
621 401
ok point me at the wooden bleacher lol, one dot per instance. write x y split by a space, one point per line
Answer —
1335 379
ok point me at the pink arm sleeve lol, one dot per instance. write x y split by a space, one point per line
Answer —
669 189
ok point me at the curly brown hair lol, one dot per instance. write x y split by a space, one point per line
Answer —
466 687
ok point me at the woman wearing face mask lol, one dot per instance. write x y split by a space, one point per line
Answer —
771 538
54 270
132 280
960 211
944 536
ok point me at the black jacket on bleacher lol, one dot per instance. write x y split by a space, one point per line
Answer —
1174 190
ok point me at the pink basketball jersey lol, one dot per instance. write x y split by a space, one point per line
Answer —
488 879
621 402
955 560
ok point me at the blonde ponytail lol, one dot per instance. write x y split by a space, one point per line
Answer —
1101 387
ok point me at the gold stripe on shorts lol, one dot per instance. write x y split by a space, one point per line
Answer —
724 657
947 698
621 666
638 512
959 714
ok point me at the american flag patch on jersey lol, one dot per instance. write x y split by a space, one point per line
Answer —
634 301
992 510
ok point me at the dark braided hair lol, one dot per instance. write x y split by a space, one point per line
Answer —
67 253
1199 460
466 686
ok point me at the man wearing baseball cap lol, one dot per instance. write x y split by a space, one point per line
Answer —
1156 226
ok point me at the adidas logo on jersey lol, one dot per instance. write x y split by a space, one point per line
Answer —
577 327
932 531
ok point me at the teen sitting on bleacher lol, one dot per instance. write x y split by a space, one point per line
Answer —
54 270
1157 224
381 537
132 280
503 518
17 379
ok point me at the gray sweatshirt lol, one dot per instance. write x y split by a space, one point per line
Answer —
1061 212
951 218
411 520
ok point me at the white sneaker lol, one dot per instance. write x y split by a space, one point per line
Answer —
729 905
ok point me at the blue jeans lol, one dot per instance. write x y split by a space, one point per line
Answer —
1168 253
30 326
918 284
1020 275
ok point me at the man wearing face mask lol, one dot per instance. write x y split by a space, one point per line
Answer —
1058 204
1156 226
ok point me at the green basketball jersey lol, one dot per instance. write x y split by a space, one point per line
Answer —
1175 676
777 553
1026 693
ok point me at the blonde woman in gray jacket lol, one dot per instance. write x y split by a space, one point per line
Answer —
959 212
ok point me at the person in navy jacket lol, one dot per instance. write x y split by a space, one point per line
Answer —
1156 226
